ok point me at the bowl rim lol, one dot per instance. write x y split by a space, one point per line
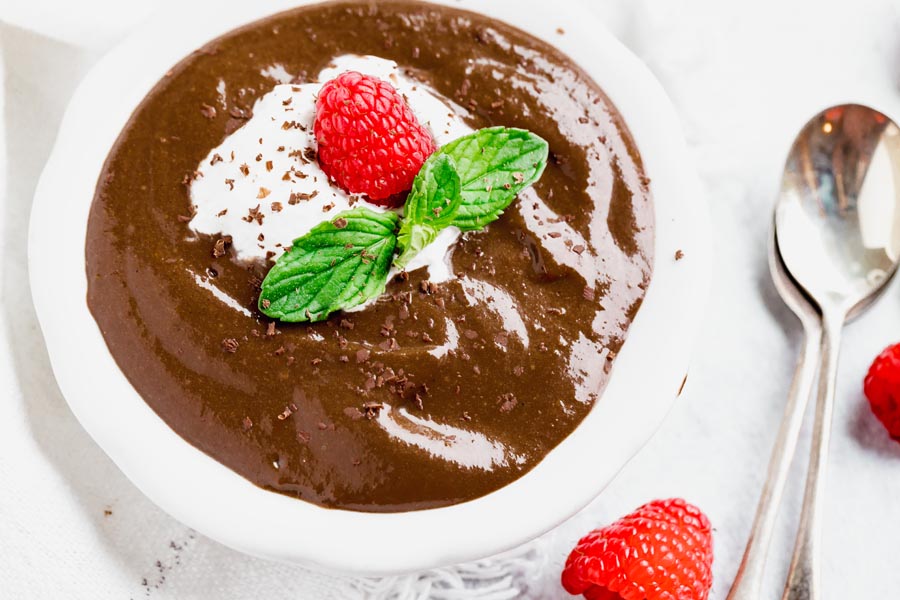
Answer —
191 486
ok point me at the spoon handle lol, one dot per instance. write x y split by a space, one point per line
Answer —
748 581
803 580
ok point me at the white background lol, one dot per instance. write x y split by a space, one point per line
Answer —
743 76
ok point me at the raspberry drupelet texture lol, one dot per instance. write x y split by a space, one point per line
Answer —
882 388
661 551
370 142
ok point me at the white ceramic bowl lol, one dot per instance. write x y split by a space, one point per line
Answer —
215 501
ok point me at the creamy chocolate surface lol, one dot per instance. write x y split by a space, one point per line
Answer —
437 394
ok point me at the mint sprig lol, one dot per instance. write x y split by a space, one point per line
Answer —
339 264
431 206
345 262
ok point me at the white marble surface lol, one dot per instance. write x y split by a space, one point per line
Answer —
743 76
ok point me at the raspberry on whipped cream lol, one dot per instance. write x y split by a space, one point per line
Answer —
264 187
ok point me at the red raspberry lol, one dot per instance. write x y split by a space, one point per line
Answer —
661 551
882 387
369 140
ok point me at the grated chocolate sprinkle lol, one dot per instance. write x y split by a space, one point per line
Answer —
208 111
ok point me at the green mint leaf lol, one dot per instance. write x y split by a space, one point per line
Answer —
431 206
494 165
339 264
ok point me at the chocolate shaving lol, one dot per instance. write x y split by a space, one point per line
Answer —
507 402
240 113
463 90
208 111
297 197
254 215
372 409
230 345
221 246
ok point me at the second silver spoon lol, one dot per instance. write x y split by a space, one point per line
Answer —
837 224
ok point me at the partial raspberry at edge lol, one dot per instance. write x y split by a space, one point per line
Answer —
370 142
882 388
661 551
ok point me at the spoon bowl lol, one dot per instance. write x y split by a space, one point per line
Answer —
838 215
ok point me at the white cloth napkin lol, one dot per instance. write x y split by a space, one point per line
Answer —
744 78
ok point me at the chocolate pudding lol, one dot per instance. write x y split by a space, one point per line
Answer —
435 394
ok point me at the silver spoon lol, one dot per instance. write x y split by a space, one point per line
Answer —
747 583
837 224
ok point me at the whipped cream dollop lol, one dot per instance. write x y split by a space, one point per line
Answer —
263 185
